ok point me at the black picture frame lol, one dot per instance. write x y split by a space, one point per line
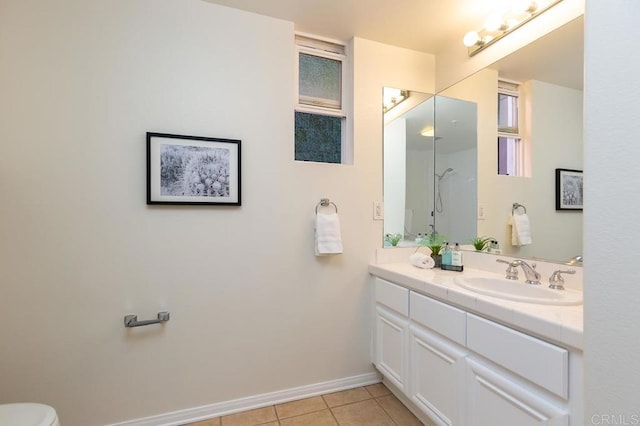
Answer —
193 170
569 190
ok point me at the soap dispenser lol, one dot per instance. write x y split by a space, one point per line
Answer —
456 256
446 255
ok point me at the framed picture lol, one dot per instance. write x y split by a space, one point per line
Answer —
569 191
192 170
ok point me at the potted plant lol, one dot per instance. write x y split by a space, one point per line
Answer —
393 239
434 242
481 243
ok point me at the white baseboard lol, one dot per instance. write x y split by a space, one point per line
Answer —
204 412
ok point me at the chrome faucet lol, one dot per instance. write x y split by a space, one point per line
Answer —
512 272
556 281
531 275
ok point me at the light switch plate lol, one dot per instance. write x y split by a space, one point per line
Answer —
481 212
378 210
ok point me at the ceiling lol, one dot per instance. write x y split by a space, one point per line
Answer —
556 58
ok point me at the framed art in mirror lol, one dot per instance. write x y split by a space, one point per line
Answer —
569 189
192 170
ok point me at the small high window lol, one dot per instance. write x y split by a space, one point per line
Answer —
320 113
510 145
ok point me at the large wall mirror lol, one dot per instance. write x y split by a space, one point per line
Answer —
445 176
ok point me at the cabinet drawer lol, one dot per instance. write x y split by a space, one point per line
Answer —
441 318
393 296
540 362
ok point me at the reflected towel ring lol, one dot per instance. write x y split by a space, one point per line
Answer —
516 206
325 202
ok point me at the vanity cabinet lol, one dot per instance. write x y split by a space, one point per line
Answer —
496 397
513 378
437 359
391 334
461 369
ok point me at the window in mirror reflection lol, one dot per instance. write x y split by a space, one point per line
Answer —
510 150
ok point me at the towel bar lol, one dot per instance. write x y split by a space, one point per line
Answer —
132 320
516 206
325 202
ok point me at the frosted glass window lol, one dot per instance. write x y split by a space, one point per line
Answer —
318 138
321 125
320 81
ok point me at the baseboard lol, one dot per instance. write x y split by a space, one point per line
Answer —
204 412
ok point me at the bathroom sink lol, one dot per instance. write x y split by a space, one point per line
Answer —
519 291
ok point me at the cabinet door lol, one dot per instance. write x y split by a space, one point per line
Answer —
437 375
391 346
497 399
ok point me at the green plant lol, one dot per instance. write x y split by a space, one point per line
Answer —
481 243
434 242
394 239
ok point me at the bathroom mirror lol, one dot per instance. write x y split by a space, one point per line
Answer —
456 169
408 164
430 156
550 70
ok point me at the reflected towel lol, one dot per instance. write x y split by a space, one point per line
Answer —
327 234
520 230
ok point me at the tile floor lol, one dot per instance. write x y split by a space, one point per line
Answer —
366 406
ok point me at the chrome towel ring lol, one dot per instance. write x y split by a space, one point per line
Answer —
325 202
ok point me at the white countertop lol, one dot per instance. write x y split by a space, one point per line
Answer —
562 325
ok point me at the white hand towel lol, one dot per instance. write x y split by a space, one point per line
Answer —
422 260
327 234
520 230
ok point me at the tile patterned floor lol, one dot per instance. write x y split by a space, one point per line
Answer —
366 406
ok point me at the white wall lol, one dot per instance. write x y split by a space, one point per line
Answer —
252 309
612 197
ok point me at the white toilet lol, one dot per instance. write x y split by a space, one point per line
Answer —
27 414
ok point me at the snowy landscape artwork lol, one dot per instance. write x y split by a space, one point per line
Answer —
192 170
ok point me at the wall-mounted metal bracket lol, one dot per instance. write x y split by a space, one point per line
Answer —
132 320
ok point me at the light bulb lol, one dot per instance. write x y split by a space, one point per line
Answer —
512 22
524 6
494 22
471 38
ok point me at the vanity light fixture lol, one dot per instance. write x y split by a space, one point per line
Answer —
392 97
501 23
